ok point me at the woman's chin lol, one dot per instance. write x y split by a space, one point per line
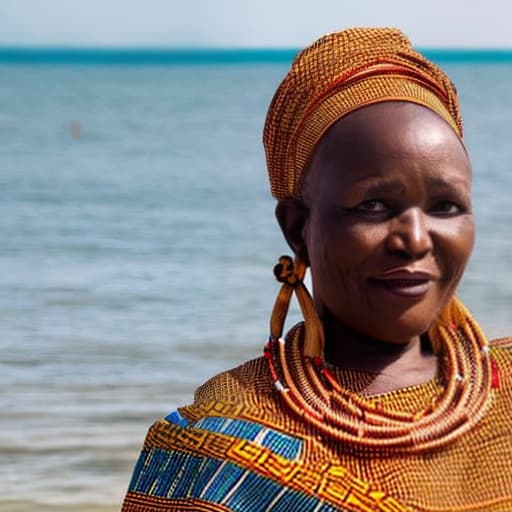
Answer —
400 332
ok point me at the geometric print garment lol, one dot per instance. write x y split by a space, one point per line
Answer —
237 448
226 464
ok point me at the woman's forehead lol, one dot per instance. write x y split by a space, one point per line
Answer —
386 138
387 119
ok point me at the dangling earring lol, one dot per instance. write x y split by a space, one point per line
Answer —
291 274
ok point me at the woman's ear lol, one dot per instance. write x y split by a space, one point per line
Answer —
292 216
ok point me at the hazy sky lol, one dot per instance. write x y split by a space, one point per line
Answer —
262 23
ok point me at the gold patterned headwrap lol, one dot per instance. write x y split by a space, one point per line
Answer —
336 75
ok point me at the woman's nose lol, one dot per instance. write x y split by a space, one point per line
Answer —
409 234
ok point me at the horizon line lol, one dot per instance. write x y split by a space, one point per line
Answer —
59 54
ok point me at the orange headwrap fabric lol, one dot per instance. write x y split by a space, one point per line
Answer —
336 75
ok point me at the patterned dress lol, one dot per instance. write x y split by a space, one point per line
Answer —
238 448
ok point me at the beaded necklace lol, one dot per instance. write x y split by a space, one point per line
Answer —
310 390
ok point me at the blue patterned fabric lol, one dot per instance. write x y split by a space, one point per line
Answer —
171 474
176 418
281 444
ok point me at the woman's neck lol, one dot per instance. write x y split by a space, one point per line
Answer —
394 365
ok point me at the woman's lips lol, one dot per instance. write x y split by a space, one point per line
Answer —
405 283
406 288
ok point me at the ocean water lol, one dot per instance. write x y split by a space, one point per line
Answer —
137 245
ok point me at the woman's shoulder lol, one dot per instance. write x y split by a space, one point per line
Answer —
501 348
237 392
249 376
501 362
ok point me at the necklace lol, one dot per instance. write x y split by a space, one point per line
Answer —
309 389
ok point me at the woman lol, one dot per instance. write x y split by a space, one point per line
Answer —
388 397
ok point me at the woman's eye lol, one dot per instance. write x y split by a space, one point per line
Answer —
373 206
446 208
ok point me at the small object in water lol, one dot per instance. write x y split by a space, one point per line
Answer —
75 129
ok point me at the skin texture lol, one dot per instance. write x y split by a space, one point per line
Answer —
387 229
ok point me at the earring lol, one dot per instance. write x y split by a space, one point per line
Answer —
291 274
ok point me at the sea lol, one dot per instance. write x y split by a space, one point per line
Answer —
137 245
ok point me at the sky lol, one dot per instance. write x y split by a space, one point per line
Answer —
245 23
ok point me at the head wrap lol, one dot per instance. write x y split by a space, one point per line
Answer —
336 75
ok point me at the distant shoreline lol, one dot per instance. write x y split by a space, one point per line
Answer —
205 56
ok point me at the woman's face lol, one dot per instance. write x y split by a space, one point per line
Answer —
388 227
